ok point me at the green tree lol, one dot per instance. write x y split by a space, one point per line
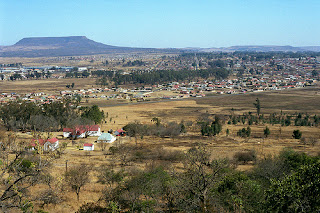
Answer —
237 192
257 106
93 113
298 192
297 134
213 129
244 132
266 132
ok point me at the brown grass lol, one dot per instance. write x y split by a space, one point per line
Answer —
221 146
51 86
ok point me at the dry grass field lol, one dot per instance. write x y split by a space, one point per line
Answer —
121 113
50 86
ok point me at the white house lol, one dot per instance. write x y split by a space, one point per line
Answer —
48 145
51 144
82 131
67 132
88 147
94 130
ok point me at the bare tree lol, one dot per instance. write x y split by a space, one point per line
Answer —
49 196
103 145
77 177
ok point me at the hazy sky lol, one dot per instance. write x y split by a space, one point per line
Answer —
165 23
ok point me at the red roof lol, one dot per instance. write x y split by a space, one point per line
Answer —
88 144
52 140
42 142
94 128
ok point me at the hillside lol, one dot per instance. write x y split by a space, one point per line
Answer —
65 46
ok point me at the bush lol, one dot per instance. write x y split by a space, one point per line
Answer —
170 155
49 196
113 150
297 134
245 156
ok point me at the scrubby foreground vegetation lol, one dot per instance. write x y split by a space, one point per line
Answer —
140 179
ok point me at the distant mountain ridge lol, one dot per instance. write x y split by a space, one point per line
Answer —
70 41
66 46
258 48
81 45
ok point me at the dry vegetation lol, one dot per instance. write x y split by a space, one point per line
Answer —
152 149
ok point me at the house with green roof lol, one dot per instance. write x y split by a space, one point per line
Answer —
106 138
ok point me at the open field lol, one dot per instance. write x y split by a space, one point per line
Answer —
50 86
292 100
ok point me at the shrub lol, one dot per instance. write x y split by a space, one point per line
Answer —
170 155
266 132
113 150
49 196
245 156
297 134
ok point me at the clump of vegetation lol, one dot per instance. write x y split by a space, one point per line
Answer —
244 132
245 156
297 134
266 132
170 129
47 117
211 128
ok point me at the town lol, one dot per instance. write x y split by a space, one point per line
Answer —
251 72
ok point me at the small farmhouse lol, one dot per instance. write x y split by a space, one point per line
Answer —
82 131
48 145
88 147
106 138
120 132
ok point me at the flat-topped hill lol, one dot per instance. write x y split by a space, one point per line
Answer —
66 46
70 41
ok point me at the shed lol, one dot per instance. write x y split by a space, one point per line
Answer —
88 147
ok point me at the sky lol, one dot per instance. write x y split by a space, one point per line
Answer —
165 23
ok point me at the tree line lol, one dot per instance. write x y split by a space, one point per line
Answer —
297 119
169 129
161 76
29 116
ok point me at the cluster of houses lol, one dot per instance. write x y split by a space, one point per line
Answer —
81 131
